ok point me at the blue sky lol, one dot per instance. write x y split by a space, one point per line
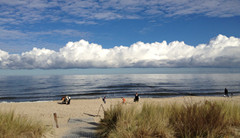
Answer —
51 24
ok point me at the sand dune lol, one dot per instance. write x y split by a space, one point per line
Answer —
83 109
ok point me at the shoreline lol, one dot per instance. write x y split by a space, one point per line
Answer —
85 108
162 97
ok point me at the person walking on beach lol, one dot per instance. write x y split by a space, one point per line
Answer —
136 99
226 92
104 99
123 100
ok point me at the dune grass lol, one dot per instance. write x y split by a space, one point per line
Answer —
203 119
16 126
121 121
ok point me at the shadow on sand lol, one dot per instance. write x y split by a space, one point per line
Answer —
82 127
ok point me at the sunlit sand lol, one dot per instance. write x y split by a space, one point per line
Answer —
85 108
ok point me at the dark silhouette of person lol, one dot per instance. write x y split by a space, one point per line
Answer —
104 99
226 92
136 99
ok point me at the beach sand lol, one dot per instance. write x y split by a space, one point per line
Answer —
84 109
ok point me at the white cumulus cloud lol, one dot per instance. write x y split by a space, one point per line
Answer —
221 51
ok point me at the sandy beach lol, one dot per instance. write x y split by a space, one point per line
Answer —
84 109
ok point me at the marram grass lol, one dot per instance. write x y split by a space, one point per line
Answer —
207 119
17 126
121 121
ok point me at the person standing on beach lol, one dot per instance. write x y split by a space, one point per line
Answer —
136 99
123 100
226 92
104 99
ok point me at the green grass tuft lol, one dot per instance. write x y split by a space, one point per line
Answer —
205 119
121 121
109 122
16 126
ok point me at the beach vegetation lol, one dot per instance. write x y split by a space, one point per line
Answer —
18 126
203 119
190 119
123 121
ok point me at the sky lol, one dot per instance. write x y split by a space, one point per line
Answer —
62 34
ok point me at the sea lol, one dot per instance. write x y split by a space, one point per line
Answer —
50 85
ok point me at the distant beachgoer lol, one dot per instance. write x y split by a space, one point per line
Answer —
123 100
226 92
68 99
104 99
136 99
63 100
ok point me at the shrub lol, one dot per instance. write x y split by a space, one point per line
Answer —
15 126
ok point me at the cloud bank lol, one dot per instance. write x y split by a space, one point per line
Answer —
221 51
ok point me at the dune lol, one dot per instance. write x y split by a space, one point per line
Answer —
84 110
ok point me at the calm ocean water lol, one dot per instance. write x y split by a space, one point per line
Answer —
21 88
